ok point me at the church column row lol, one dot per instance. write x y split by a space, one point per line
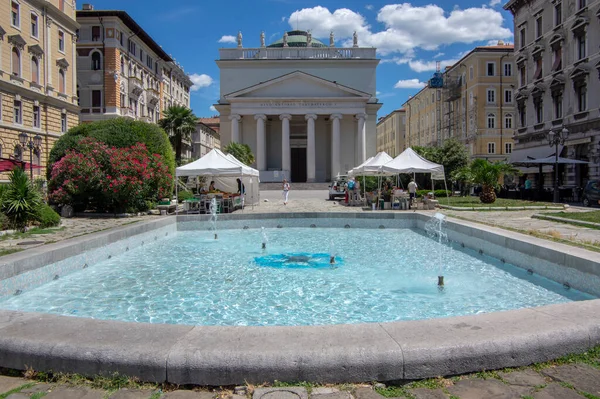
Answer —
261 143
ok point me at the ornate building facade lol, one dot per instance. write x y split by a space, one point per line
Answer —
391 133
38 94
204 139
558 65
307 110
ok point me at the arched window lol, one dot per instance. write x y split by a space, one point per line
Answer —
491 121
122 64
0 150
508 121
96 61
35 70
61 81
16 62
18 154
130 74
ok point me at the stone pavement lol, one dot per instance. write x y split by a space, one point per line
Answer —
576 381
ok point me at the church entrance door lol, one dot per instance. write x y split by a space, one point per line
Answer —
298 165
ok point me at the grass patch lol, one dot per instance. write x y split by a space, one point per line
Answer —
590 357
283 384
110 383
393 392
29 233
156 395
38 395
474 202
8 251
592 216
16 390
589 395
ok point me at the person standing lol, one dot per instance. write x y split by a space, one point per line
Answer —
412 190
286 191
241 191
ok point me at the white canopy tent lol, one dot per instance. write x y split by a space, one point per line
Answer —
224 169
371 167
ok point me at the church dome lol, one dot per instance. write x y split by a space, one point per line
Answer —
297 38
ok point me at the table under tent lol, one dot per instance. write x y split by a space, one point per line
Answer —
224 170
371 167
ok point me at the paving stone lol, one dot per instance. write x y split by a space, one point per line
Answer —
75 393
191 395
527 378
10 383
280 393
37 388
131 394
18 396
478 389
556 391
366 393
583 377
323 391
237 396
425 393
333 395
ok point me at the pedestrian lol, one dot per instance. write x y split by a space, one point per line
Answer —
412 190
241 191
286 191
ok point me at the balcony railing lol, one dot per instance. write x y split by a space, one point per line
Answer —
127 112
281 53
153 96
135 85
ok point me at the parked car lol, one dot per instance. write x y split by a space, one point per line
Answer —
591 193
337 188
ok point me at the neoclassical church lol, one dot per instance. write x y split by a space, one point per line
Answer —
308 110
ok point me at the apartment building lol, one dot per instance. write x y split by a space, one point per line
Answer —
204 139
38 96
471 101
391 131
122 71
558 65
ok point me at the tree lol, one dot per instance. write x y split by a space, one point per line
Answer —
487 174
241 151
452 155
179 122
21 200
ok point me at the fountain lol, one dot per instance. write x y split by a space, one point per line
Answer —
331 253
265 239
435 229
213 216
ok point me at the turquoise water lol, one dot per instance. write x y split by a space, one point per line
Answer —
379 276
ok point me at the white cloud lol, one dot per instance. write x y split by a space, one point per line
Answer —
409 84
405 27
369 7
200 81
377 93
424 66
494 3
228 39
212 108
438 55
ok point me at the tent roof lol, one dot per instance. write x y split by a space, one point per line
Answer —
216 163
549 161
411 162
371 166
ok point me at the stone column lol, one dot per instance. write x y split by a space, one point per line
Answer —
286 163
261 142
235 128
335 144
361 139
74 70
310 148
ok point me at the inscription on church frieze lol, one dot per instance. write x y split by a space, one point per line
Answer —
275 104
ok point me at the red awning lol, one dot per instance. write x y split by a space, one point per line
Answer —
7 164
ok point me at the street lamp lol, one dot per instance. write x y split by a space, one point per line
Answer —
554 139
31 144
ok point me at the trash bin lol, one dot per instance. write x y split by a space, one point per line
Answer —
381 203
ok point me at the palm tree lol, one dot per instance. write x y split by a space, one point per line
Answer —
483 172
21 200
179 122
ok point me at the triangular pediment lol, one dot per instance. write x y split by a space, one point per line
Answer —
298 85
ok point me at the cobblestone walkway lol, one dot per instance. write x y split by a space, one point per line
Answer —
572 381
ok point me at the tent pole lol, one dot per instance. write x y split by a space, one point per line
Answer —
176 198
446 187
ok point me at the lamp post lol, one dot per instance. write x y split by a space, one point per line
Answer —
554 139
31 144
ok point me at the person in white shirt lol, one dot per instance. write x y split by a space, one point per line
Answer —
412 190
286 191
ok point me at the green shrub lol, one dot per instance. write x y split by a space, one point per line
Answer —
21 200
184 195
4 222
47 217
119 133
436 193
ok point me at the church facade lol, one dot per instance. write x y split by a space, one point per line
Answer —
307 110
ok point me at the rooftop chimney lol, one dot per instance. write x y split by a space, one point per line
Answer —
87 7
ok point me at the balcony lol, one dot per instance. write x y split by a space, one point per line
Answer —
127 112
145 118
136 86
282 53
153 96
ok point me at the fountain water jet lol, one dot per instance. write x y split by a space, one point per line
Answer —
213 216
435 229
265 239
331 253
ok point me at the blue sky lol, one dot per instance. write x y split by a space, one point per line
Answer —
410 37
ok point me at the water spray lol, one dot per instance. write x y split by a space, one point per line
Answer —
332 260
264 245
440 281
216 236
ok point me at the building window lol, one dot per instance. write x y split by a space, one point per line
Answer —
522 38
35 70
63 123
557 54
16 62
558 14
538 105
61 41
61 81
508 96
522 115
508 148
557 100
61 5
508 118
539 29
96 61
141 55
34 25
491 96
18 112
18 154
580 38
123 100
95 33
538 68
37 161
522 76
122 65
581 96
507 69
36 116
96 99
131 46
471 73
15 15
491 148
582 4
491 69
491 121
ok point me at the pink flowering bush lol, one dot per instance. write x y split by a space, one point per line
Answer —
109 178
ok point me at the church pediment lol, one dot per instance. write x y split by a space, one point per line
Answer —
298 85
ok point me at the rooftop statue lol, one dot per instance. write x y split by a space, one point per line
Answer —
354 39
239 39
262 39
309 39
285 36
331 40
